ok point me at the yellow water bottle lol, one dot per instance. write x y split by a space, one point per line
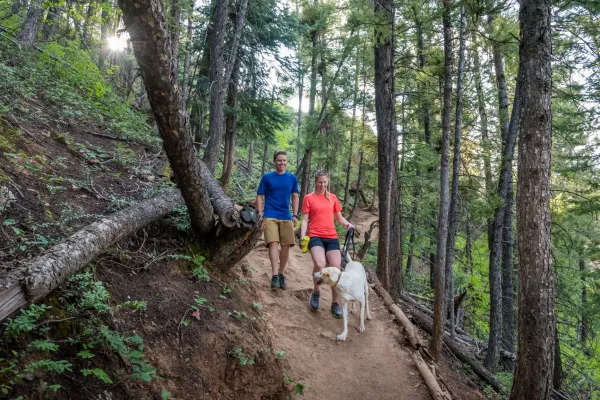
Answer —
304 244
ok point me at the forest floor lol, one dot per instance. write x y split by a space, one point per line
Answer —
368 365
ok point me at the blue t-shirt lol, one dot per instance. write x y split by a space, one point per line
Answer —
277 189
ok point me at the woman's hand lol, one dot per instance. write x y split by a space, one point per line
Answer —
349 226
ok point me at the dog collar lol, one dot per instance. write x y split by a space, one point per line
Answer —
338 280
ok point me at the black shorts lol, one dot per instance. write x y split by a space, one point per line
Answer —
327 244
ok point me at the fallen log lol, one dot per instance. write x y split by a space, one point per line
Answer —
463 354
432 384
461 333
29 284
414 339
409 329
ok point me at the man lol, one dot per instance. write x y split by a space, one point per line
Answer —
277 187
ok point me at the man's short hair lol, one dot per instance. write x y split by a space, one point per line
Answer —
279 153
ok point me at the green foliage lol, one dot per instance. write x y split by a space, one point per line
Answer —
88 293
242 357
98 373
25 322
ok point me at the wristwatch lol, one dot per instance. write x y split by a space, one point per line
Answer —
295 216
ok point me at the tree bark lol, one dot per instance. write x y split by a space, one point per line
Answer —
213 148
352 128
504 183
508 312
535 355
389 251
48 271
265 157
250 157
485 141
442 229
28 32
187 60
173 26
453 219
358 184
240 22
145 21
231 127
51 22
583 329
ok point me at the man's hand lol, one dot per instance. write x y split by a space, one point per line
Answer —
294 221
349 226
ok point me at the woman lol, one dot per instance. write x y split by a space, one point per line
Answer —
319 208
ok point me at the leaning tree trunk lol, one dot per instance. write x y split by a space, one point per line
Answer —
213 148
145 21
173 26
51 22
30 27
452 215
389 251
535 354
442 229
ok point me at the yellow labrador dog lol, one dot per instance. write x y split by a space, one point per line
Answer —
352 287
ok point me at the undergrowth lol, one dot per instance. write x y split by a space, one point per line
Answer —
82 347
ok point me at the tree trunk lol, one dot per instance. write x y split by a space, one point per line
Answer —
583 329
144 19
485 141
508 312
28 32
48 271
230 127
103 42
213 148
442 229
239 22
352 128
504 182
51 23
173 26
389 251
452 217
535 355
187 61
468 245
306 159
265 157
358 184
88 27
250 157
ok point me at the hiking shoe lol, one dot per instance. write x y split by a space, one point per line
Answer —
314 301
275 282
282 284
336 310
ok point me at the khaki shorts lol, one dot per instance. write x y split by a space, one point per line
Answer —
277 230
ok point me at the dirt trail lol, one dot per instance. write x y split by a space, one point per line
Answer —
369 365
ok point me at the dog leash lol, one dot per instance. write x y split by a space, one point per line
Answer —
349 239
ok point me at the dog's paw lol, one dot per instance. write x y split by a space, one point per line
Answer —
369 318
353 310
341 337
361 328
